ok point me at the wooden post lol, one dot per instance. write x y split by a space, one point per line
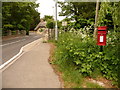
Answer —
49 34
96 19
17 32
101 48
52 33
9 32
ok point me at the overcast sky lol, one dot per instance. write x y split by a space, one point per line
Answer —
47 7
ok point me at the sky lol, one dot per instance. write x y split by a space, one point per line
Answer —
47 7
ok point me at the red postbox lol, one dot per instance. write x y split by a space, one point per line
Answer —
101 37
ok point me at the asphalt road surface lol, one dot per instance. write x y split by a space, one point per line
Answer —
12 47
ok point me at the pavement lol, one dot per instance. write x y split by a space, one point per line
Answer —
31 69
10 47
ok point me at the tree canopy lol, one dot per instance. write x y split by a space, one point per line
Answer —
20 15
80 9
47 17
77 10
83 13
109 15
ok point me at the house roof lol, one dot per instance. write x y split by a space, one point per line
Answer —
40 25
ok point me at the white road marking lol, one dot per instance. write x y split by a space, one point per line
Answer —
6 63
21 52
13 42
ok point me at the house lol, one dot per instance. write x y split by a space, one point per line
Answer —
42 25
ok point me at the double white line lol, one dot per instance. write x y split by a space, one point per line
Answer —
6 63
20 52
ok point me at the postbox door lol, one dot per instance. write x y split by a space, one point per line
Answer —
101 40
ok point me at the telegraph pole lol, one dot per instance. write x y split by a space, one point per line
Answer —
96 18
56 27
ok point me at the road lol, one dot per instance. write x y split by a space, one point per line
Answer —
12 47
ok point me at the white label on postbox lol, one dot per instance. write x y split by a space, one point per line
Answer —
101 38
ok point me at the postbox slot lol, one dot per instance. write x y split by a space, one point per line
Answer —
102 33
101 30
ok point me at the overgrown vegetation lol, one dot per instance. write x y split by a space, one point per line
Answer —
82 55
77 54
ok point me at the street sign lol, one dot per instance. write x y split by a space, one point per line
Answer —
64 23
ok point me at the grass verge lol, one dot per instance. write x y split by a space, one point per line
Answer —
68 76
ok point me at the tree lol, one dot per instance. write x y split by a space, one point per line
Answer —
77 10
21 15
96 19
47 17
50 24
109 15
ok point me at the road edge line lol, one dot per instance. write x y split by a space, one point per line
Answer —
17 55
10 60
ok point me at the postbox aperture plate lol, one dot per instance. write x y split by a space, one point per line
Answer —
101 38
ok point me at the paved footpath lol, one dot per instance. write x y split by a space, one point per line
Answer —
31 70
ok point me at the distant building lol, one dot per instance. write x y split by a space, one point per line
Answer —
42 24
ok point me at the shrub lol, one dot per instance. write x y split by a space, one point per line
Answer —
8 26
85 56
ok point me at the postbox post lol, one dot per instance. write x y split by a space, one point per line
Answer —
101 48
101 37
